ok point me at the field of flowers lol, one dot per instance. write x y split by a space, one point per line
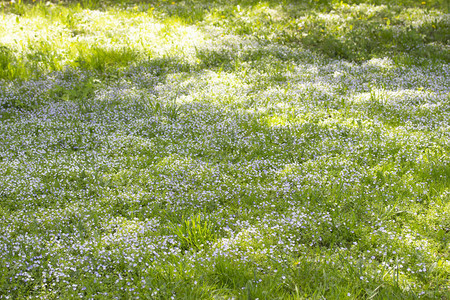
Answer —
224 150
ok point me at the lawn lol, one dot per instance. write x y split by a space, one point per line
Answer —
224 149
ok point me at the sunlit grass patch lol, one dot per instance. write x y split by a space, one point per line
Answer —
41 41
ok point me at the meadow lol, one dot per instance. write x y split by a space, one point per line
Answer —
224 149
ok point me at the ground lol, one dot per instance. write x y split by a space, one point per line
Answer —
224 150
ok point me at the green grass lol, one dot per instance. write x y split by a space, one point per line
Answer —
224 150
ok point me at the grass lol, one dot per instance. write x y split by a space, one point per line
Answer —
224 150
